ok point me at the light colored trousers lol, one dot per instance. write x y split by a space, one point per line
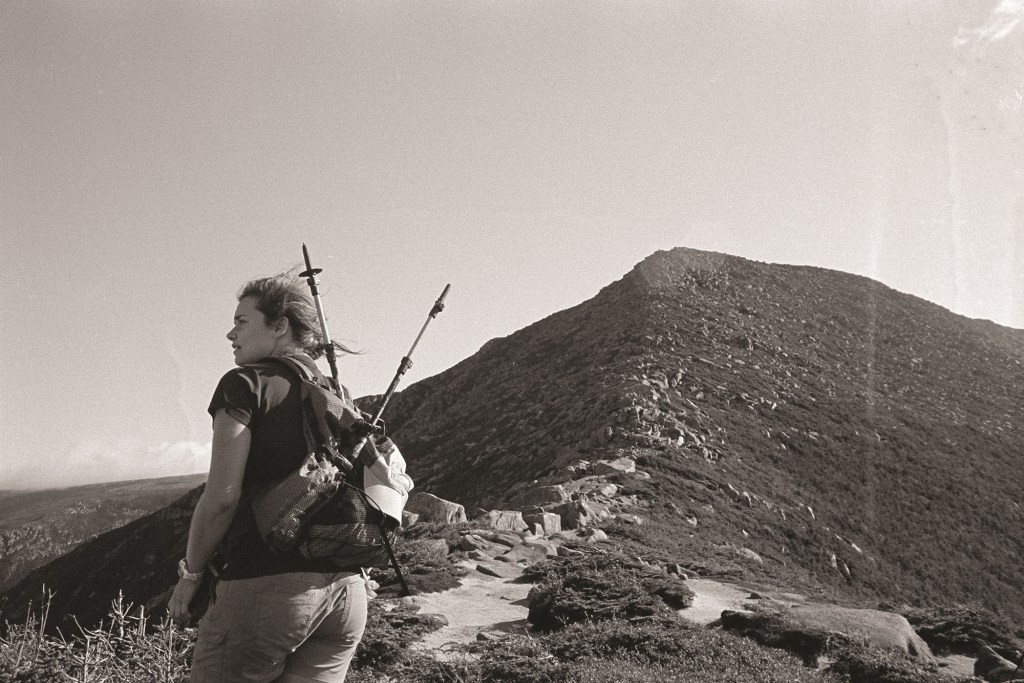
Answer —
288 628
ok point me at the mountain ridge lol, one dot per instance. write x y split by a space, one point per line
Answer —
37 526
861 443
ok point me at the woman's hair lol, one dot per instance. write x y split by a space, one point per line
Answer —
285 296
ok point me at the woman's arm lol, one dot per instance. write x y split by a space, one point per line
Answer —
216 507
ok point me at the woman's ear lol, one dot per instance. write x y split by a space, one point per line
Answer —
282 327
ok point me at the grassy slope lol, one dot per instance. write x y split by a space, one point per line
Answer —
898 423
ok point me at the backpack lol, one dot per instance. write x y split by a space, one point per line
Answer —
320 510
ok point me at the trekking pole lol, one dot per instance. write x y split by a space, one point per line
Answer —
402 368
310 274
407 359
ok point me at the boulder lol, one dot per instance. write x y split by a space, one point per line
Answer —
571 514
617 466
594 509
805 629
506 538
549 522
749 554
992 667
475 542
503 520
544 495
430 508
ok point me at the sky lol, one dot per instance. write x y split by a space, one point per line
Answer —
155 156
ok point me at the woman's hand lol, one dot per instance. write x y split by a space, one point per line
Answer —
180 600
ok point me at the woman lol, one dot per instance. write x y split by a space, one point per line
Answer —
274 618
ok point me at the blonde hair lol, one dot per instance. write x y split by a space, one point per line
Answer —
286 295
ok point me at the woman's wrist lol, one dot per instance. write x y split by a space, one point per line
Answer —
185 574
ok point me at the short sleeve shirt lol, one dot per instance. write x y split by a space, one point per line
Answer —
265 397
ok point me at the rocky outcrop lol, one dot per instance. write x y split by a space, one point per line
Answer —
994 668
807 629
430 508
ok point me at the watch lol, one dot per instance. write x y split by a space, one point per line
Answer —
184 573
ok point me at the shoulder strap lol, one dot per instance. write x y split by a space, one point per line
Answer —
324 412
307 371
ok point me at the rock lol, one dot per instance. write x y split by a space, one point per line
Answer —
409 518
805 629
992 667
594 509
545 495
474 542
594 535
578 468
741 497
630 519
497 570
749 554
572 514
530 552
676 570
506 538
430 508
549 523
617 466
504 520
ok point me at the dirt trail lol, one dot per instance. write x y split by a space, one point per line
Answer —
485 603
480 603
488 603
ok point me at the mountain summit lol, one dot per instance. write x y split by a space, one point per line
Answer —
799 426
867 437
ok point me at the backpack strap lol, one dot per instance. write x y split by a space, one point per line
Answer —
309 372
322 414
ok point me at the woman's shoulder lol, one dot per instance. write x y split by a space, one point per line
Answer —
255 375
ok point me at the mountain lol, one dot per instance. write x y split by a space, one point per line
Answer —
879 436
800 427
38 526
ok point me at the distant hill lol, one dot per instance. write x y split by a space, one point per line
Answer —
860 443
38 526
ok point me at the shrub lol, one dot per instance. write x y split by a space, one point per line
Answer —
127 648
426 566
592 588
390 632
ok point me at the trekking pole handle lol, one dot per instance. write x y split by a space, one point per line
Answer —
310 274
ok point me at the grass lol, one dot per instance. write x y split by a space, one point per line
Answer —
600 618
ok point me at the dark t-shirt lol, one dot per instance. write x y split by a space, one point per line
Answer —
265 397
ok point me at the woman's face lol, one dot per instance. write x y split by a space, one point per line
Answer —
251 337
